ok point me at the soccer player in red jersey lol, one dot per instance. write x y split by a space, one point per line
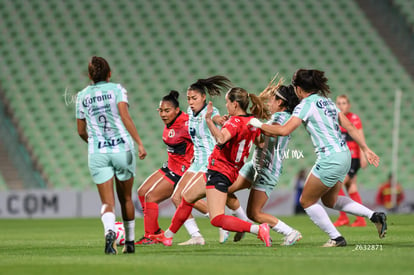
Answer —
358 160
234 141
160 185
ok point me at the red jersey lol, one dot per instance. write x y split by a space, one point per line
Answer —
229 158
352 145
179 145
384 195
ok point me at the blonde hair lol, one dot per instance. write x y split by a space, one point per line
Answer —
243 98
344 97
272 87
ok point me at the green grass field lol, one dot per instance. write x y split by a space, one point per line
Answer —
75 246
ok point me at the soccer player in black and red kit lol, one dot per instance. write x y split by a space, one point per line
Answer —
358 160
160 185
232 149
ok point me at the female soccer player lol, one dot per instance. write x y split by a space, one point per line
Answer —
233 145
160 185
322 119
261 174
358 160
103 121
203 146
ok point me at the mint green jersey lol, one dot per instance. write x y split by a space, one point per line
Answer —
201 136
98 105
320 117
270 157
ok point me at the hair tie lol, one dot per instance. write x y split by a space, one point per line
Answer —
281 96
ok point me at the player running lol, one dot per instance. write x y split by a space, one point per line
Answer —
322 119
233 145
160 185
103 121
261 174
358 160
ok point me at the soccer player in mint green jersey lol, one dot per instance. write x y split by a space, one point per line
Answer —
104 123
321 119
188 188
261 174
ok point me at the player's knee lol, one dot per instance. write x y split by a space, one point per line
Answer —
253 214
176 199
141 192
328 202
304 202
217 221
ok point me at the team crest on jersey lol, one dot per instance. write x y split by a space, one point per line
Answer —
171 133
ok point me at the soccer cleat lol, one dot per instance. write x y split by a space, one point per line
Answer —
110 243
238 236
223 235
129 247
162 239
341 222
146 241
199 240
340 241
380 221
292 238
359 222
264 234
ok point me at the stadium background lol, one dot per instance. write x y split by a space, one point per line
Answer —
154 46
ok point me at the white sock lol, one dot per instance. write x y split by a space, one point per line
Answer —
168 233
239 213
108 220
282 228
192 228
254 229
319 216
352 207
129 230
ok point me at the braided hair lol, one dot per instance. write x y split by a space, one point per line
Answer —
98 69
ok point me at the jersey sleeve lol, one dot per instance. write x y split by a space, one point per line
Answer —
80 113
356 121
279 119
121 94
231 125
302 110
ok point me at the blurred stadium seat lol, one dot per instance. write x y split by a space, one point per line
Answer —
154 46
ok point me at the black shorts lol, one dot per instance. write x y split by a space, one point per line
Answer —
217 180
169 175
355 165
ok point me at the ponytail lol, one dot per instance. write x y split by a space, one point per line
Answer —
211 85
173 98
258 108
242 97
98 69
311 81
